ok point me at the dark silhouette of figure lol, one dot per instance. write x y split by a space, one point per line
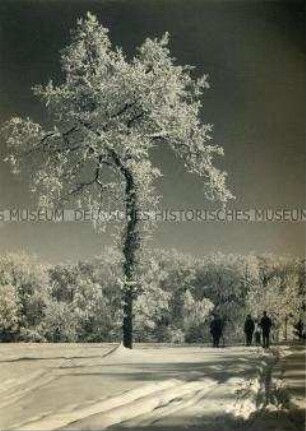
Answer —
257 333
216 327
299 329
249 327
265 324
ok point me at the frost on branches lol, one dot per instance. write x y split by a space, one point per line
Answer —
108 114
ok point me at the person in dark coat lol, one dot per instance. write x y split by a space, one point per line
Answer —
299 329
216 327
265 324
249 327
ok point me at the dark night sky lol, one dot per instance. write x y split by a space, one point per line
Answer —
254 52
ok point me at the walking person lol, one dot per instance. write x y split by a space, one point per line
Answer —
257 333
249 327
216 329
265 324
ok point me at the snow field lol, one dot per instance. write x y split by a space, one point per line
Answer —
97 387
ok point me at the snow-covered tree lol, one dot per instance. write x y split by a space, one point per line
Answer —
280 297
108 114
88 291
9 308
23 291
195 314
166 310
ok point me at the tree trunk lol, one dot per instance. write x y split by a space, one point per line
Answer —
130 246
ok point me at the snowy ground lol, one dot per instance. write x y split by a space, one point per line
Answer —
99 386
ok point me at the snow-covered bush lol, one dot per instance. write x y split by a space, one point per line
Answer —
61 323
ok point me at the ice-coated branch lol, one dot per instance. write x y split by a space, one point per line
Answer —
112 109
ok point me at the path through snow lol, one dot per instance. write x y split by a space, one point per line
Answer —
94 387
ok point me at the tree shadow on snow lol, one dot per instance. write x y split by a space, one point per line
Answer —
267 421
220 371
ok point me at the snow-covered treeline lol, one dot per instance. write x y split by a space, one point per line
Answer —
174 296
